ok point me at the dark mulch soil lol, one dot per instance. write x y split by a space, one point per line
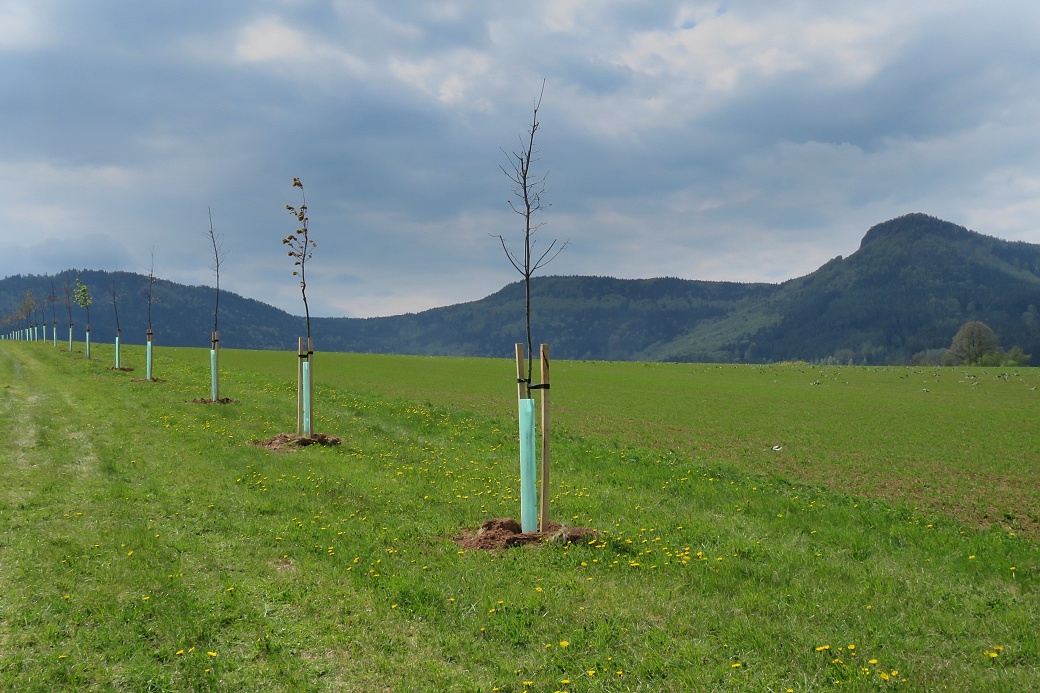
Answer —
146 380
504 532
121 368
219 400
288 441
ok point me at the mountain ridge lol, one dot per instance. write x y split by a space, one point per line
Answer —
913 281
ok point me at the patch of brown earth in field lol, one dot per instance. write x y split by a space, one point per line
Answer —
284 564
503 532
290 441
219 400
125 369
146 380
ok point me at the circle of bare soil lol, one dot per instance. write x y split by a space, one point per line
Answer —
504 532
146 380
125 369
219 400
290 441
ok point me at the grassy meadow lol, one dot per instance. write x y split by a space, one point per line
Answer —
891 543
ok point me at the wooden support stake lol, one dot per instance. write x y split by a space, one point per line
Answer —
301 354
543 516
310 384
521 383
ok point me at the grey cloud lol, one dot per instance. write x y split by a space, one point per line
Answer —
123 123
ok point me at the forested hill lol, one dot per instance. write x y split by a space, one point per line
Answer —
908 288
181 315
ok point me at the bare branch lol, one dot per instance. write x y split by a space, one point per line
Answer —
528 190
300 246
115 305
218 260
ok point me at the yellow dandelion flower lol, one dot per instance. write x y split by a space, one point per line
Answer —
564 643
212 653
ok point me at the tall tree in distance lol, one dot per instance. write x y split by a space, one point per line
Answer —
973 341
528 190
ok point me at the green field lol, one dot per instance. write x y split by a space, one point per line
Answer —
892 541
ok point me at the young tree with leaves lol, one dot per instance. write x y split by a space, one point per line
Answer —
83 300
301 248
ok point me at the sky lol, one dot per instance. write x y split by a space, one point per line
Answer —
739 141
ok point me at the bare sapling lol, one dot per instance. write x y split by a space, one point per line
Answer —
150 299
52 298
28 308
529 189
216 245
66 290
115 309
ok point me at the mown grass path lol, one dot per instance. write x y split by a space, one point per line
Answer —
148 546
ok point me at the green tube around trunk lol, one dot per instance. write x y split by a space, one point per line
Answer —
528 495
